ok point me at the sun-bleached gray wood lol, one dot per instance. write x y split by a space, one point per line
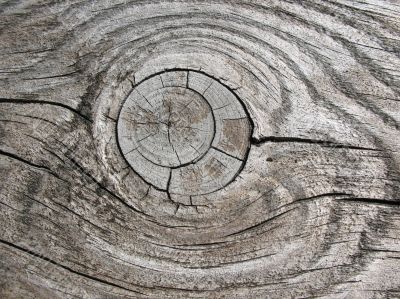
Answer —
311 128
180 138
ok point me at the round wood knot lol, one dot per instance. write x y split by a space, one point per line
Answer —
184 133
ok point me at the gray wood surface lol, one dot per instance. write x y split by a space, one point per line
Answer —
281 180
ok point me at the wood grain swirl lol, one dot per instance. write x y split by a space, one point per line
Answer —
281 181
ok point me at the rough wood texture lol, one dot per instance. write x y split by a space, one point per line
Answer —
299 149
185 136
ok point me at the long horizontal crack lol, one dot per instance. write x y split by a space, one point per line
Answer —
326 143
376 201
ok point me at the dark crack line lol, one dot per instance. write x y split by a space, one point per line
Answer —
168 186
212 81
10 207
176 154
148 136
197 151
144 110
39 118
109 117
51 77
168 124
169 134
15 157
177 208
305 199
13 121
223 152
226 105
106 231
221 163
38 202
326 143
25 101
162 82
147 193
128 152
185 107
100 185
376 201
40 256
144 98
253 227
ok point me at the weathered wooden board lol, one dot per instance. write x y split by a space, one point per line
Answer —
200 149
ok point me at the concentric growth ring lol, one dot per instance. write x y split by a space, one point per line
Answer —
184 132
